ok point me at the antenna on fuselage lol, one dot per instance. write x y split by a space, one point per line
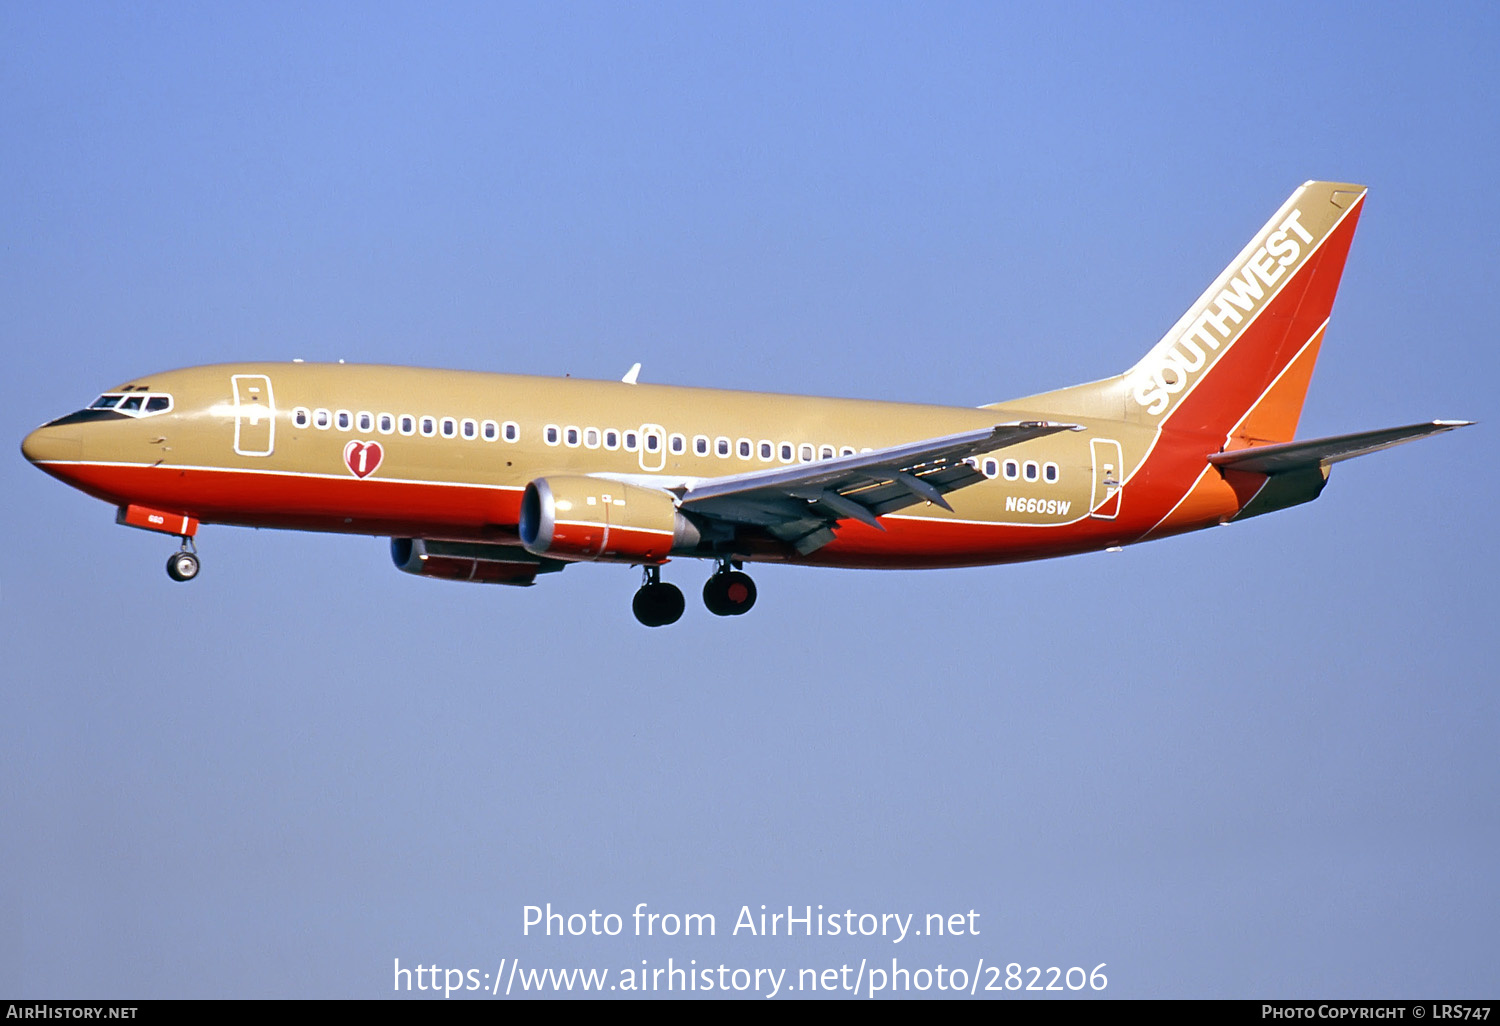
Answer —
632 374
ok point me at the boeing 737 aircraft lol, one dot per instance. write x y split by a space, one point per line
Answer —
498 478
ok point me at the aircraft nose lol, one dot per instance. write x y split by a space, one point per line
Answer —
49 444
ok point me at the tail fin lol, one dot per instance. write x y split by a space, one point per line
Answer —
1237 364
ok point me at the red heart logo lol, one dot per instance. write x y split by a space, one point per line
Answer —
363 457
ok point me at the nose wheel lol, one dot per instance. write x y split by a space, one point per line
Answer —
183 565
657 604
729 592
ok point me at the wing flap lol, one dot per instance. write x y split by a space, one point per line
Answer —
888 496
865 467
799 504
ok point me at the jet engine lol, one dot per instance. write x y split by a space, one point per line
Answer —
595 518
470 561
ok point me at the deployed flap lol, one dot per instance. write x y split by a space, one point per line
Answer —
1288 456
798 504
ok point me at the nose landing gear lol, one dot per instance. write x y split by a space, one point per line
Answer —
183 565
657 604
729 592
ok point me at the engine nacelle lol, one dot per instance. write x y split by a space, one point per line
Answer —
594 518
470 561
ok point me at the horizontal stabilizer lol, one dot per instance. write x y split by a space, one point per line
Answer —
1288 456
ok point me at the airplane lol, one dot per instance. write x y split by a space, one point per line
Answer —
500 478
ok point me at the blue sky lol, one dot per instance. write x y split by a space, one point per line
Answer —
1247 762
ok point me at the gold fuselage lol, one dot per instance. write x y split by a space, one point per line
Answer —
445 455
458 448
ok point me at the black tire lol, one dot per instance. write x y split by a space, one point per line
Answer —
657 605
182 566
729 594
644 606
672 603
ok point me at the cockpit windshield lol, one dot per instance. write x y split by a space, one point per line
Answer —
133 404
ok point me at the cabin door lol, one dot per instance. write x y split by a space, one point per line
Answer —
254 415
1109 463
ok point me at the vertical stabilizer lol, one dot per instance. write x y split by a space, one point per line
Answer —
1238 362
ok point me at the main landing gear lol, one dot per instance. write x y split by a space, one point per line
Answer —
183 565
657 604
729 592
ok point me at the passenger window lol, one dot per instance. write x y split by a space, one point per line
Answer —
1012 470
387 424
365 421
806 453
825 453
343 420
788 453
591 438
1031 470
512 430
1049 472
570 437
746 448
766 451
611 439
721 446
653 441
552 434
991 469
301 417
700 445
429 427
320 419
469 429
847 450
632 443
678 444
450 427
408 424
490 430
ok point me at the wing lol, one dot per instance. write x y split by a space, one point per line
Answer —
801 504
1288 456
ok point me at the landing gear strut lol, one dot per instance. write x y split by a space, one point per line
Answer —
729 592
657 604
183 564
